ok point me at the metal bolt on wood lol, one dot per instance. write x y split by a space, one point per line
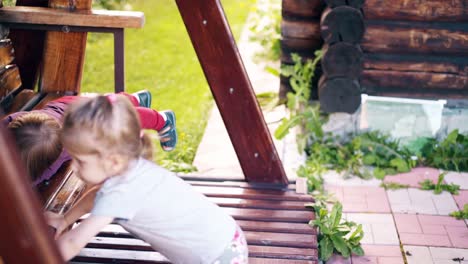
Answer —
204 22
65 29
231 90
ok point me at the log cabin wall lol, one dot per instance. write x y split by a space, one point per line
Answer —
403 48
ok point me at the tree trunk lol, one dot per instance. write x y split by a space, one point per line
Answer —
342 60
7 54
342 24
434 64
302 8
353 3
453 10
300 29
339 95
374 79
399 38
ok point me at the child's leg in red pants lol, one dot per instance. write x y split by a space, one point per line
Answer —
149 118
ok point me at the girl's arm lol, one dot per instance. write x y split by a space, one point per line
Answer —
83 206
70 243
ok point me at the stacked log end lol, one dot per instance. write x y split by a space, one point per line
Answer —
342 30
404 48
300 33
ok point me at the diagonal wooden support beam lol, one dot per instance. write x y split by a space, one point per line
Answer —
221 62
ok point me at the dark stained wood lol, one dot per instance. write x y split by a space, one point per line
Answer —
454 10
270 215
283 252
298 44
23 224
353 3
339 95
228 183
7 53
233 192
302 241
63 56
302 8
342 60
414 80
257 204
276 227
94 18
28 45
254 250
300 29
404 39
215 47
9 79
24 96
424 63
342 24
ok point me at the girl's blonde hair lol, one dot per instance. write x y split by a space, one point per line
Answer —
37 136
98 126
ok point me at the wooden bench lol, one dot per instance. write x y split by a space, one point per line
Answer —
269 209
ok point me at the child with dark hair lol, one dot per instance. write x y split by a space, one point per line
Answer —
37 132
150 202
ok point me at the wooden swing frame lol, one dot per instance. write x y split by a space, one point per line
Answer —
59 32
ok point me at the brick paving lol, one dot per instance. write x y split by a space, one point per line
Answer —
361 199
431 230
434 255
414 177
421 202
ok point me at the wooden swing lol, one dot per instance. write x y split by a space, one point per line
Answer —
49 39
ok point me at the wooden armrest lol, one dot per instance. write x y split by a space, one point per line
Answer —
85 18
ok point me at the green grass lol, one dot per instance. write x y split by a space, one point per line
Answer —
160 57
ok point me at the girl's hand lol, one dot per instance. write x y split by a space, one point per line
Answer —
56 221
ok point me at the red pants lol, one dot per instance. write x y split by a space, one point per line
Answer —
149 118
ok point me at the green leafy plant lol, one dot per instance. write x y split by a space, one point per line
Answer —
265 28
439 186
385 154
335 235
449 154
109 4
300 112
462 214
393 185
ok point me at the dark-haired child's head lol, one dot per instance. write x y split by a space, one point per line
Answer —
37 136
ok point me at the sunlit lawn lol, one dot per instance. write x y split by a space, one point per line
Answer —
159 57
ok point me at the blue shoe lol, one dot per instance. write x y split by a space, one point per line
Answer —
144 97
168 134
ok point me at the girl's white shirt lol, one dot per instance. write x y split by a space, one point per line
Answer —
158 207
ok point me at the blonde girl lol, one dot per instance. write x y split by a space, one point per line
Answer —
105 141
